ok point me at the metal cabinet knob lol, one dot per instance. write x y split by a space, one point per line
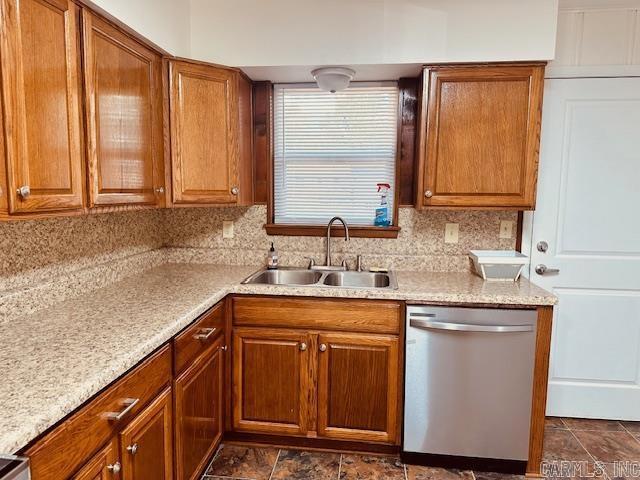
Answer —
160 190
428 194
115 468
224 348
235 190
303 347
133 449
323 347
24 191
543 269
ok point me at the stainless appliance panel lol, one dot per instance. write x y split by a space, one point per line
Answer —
468 387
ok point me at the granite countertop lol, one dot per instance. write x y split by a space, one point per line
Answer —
54 360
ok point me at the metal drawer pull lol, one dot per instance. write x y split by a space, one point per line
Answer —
129 404
466 327
133 449
205 333
115 468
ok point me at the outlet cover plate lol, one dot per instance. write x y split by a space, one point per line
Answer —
451 232
227 229
506 229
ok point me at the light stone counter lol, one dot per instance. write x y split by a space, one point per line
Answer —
55 359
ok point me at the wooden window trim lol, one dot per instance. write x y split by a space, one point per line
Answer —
263 125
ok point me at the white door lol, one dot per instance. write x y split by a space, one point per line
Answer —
588 211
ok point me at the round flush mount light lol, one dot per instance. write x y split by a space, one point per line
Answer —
333 79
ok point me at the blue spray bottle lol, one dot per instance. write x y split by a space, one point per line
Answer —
382 212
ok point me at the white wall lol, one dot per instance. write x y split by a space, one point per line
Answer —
164 22
320 32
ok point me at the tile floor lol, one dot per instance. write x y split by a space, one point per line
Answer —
572 446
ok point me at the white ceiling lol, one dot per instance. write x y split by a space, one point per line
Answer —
302 73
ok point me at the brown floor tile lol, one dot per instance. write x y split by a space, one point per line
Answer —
589 424
554 422
633 427
623 470
415 472
299 465
243 462
562 445
496 476
370 467
610 447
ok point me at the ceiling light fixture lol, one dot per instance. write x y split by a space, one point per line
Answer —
333 79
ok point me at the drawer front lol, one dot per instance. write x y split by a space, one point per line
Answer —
198 337
63 451
330 314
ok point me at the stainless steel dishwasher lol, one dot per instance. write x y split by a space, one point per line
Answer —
468 387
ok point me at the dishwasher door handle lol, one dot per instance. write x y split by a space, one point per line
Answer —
467 327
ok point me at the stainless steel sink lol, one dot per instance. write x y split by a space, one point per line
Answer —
298 276
285 277
357 279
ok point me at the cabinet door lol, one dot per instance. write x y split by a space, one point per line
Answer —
270 380
358 387
41 94
146 443
198 411
104 465
482 136
123 83
204 134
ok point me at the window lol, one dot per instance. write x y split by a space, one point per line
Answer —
331 150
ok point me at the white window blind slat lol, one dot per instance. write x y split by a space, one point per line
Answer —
330 151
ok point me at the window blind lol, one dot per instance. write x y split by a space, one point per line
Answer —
330 151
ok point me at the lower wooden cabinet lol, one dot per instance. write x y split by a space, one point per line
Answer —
270 380
338 385
146 443
358 387
198 411
105 465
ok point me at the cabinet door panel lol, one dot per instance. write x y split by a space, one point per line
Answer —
270 380
198 412
146 443
42 120
124 116
358 387
482 136
104 465
203 133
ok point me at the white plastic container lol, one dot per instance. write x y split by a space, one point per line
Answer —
498 265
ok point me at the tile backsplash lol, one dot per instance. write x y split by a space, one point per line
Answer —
195 234
43 262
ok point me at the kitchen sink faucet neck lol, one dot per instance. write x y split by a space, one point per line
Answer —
346 238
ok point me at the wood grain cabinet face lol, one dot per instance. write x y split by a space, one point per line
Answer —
198 412
123 87
480 137
40 65
105 465
204 134
146 443
358 387
270 380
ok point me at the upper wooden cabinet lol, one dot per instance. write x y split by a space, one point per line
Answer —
211 139
39 56
479 136
123 90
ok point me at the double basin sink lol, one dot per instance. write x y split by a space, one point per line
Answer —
314 278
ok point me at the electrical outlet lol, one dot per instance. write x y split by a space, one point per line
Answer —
506 229
227 229
451 231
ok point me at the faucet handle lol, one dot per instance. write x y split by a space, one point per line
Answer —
358 263
312 262
344 264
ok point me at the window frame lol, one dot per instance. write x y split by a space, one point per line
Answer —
363 231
